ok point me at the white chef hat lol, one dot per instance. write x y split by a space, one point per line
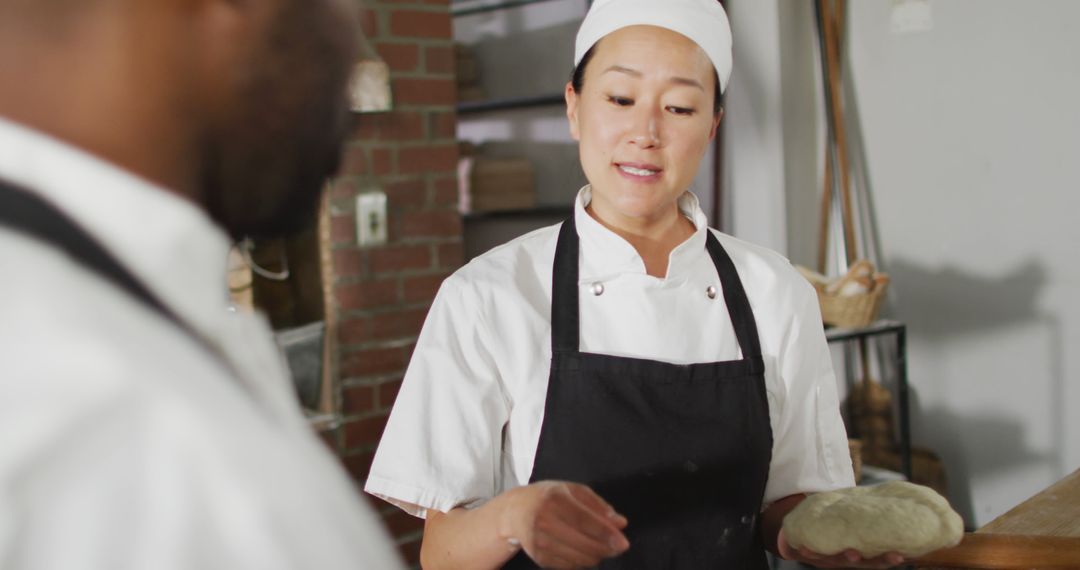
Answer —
703 21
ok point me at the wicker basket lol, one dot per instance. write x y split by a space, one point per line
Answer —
853 311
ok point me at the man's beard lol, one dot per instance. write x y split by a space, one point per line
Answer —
265 164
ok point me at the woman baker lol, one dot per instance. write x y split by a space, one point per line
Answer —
629 388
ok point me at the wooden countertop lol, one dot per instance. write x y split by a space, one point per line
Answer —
1053 512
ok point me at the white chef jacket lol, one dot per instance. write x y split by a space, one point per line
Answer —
466 423
124 444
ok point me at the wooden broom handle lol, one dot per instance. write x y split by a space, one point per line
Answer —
833 36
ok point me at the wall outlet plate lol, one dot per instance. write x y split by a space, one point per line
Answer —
371 218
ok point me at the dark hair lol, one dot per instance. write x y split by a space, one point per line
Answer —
577 81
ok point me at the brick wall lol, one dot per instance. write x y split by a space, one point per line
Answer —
381 295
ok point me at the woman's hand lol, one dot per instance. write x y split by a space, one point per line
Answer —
563 525
847 559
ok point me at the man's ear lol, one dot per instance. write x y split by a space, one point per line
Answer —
224 35
572 98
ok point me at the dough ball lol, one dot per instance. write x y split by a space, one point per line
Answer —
892 517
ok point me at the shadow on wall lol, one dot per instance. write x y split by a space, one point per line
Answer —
948 302
949 428
939 305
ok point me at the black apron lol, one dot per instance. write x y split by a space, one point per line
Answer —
26 213
682 451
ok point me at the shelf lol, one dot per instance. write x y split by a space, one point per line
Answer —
523 213
322 422
874 328
488 105
458 12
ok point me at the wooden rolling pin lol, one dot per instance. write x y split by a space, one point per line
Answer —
1007 551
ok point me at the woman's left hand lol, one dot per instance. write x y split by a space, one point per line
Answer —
846 559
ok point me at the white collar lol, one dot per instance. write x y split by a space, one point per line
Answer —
166 241
606 254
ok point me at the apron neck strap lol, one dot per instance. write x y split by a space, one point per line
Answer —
565 308
565 318
738 305
26 213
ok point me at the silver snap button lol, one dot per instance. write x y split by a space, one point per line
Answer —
711 292
597 289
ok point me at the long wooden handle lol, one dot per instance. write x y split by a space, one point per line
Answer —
1007 551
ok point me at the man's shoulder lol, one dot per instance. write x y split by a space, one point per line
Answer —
61 319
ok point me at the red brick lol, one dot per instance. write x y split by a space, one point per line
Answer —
398 324
343 188
416 24
363 433
372 361
441 158
343 229
410 551
401 523
439 59
443 125
367 294
353 161
421 288
435 223
359 466
355 330
450 255
357 399
388 392
382 161
419 91
399 57
406 193
400 258
409 350
368 22
348 262
390 126
445 192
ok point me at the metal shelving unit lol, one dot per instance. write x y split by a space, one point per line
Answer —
897 330
538 211
480 7
509 103
488 105
514 220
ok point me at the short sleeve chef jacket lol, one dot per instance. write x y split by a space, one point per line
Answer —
467 421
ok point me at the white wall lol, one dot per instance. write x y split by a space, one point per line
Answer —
972 134
753 133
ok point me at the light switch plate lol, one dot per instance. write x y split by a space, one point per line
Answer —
371 218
